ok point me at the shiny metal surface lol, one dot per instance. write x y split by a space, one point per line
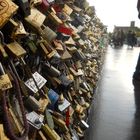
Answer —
113 114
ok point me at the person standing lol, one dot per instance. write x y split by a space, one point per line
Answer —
122 38
130 38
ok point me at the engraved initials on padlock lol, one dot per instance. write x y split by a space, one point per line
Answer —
3 6
7 9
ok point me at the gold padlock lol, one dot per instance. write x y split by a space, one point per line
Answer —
15 49
43 104
60 123
58 45
41 136
50 133
70 42
55 19
2 134
48 51
67 9
19 31
35 2
7 10
36 18
5 82
66 55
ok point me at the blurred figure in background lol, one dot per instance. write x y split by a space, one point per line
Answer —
118 38
131 39
122 37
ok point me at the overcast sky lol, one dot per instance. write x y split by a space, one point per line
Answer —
116 12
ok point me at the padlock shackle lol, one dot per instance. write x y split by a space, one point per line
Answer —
14 69
2 38
1 69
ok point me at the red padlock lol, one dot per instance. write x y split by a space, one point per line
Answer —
43 7
63 29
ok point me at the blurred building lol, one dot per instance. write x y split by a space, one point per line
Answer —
125 29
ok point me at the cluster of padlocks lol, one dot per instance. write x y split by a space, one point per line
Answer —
51 53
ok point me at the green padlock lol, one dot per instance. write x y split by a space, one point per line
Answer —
32 46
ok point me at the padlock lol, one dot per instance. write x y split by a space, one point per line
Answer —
43 48
71 49
24 7
53 96
41 136
55 81
71 112
10 26
44 6
64 105
58 45
15 49
35 2
35 119
2 133
67 9
84 125
79 131
79 55
30 43
7 10
43 104
78 64
74 134
47 33
51 1
74 72
5 82
66 55
47 50
46 90
61 99
62 37
64 17
19 32
69 96
60 123
35 82
52 16
36 18
50 133
32 103
85 86
77 9
65 82
63 29
68 136
49 119
79 109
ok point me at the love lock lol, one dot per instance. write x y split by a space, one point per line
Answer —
5 82
7 10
